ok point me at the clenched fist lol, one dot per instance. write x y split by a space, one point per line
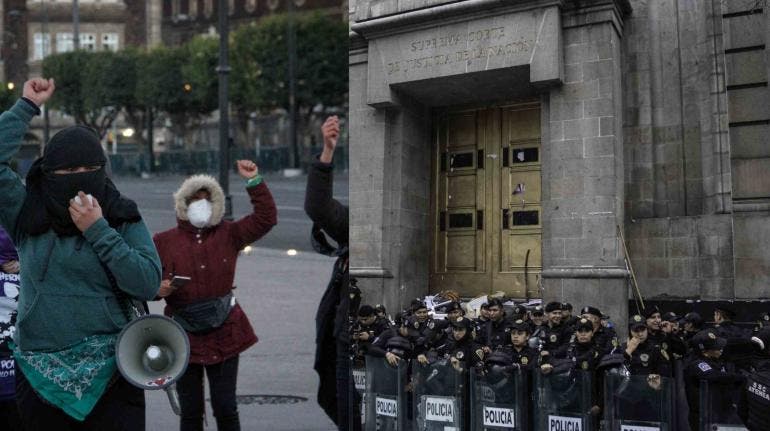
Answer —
247 169
38 90
331 132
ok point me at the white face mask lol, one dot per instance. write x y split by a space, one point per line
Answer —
199 213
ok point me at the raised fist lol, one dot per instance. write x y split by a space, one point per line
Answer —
331 132
247 169
38 90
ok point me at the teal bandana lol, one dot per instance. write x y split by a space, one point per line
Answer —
72 379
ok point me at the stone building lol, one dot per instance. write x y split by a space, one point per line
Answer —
507 145
183 19
33 29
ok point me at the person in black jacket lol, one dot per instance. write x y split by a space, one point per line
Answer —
341 298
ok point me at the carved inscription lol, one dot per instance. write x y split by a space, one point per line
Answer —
458 47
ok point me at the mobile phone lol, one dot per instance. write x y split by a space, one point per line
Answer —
179 281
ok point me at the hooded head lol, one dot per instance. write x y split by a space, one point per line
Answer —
185 196
73 161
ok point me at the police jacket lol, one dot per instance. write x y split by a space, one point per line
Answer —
556 339
758 398
526 358
605 340
724 385
729 330
467 351
495 334
648 358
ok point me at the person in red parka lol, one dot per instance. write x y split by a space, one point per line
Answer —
204 248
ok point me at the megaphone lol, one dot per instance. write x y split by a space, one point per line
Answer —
152 352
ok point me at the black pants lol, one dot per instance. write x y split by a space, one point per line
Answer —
348 400
9 416
222 380
121 408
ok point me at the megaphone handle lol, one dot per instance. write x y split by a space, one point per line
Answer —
173 399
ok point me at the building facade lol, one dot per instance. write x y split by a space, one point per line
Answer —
34 29
183 19
523 146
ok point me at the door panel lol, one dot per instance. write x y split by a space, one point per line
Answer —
487 159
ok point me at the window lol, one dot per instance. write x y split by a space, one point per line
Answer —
88 41
251 5
231 7
109 41
64 42
42 46
193 9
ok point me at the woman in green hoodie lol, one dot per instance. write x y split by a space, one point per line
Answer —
81 259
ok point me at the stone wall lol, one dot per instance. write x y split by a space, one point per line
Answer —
683 257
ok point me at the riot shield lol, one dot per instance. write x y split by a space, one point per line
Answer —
562 401
359 380
498 400
385 395
439 396
638 403
718 406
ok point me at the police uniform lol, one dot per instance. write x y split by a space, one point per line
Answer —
525 357
719 374
648 358
495 334
728 329
605 339
465 350
757 390
555 337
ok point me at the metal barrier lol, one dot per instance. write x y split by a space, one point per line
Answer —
385 395
498 399
439 396
562 401
718 406
638 403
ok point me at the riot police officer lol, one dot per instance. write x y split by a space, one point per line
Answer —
757 390
537 322
643 357
724 325
520 354
707 367
556 335
495 333
605 338
367 329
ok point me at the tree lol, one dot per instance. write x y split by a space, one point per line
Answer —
181 82
92 87
260 65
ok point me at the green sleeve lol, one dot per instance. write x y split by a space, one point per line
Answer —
130 255
13 126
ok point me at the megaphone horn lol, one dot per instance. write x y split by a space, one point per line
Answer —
152 352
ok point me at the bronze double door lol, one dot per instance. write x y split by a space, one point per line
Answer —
486 201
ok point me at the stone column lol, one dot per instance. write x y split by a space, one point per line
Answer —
583 193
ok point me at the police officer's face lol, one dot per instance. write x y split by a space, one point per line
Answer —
555 316
453 315
653 322
485 313
458 333
689 327
537 319
639 333
584 335
595 320
519 338
421 314
366 321
495 313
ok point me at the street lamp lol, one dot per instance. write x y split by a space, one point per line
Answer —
11 86
224 112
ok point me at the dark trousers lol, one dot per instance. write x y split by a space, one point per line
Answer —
121 408
9 416
222 380
348 402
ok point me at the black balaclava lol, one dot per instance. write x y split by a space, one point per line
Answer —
48 194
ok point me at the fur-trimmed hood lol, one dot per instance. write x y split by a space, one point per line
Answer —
190 186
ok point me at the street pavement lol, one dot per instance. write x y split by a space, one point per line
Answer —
278 291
